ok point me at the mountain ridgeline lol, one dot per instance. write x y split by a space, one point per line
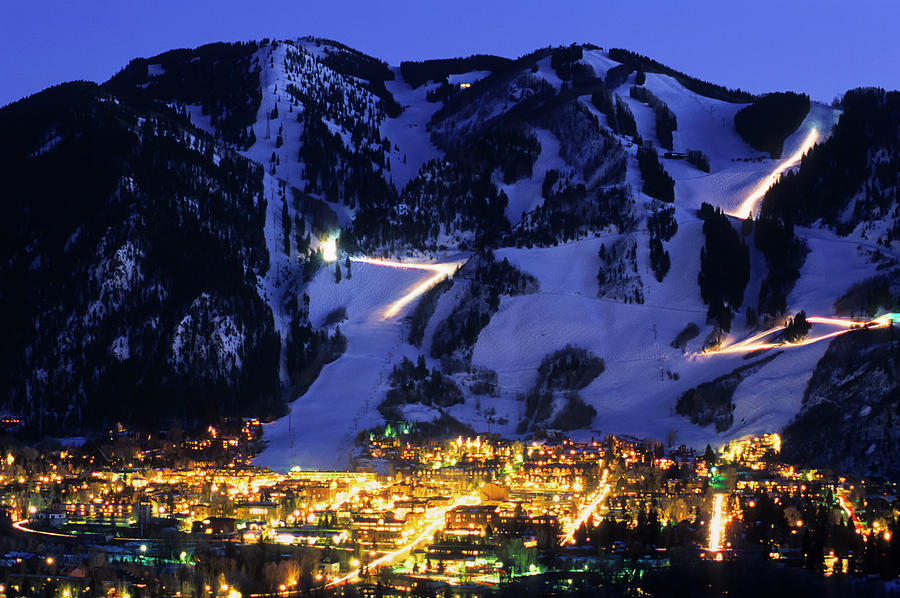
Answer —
163 240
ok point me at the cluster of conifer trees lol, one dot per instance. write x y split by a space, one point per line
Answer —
666 122
662 227
768 121
414 383
657 182
635 61
724 267
486 281
222 78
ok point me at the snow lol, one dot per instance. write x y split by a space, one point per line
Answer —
155 70
470 77
599 61
525 194
119 348
409 130
50 144
735 173
636 394
200 120
343 400
117 275
707 124
72 239
225 340
832 266
548 73
703 123
284 272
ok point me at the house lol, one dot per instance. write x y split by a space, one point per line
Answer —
52 517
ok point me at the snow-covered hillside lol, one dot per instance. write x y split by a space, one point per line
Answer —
554 172
644 374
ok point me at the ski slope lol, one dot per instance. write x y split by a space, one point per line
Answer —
644 375
320 429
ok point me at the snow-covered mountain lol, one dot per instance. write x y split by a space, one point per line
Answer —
588 191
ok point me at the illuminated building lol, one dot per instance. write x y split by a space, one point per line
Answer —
256 511
475 519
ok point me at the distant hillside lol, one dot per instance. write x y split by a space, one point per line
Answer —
130 251
850 419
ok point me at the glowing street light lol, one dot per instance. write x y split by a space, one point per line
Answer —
716 525
587 511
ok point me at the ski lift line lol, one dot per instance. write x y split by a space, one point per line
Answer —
617 302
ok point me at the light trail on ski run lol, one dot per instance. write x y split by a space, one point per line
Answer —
754 343
441 271
588 510
749 204
435 522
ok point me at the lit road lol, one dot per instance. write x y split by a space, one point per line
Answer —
587 510
440 272
20 526
749 204
848 509
716 524
435 522
757 342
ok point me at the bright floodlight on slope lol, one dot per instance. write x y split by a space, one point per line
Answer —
329 249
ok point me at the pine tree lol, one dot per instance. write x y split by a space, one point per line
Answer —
286 227
337 272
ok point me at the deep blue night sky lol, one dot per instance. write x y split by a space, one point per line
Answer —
820 47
